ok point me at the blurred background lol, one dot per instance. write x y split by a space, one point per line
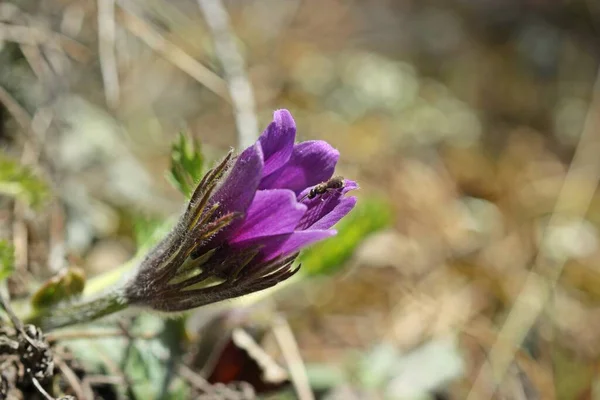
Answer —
469 269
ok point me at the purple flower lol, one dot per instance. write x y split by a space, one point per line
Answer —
245 223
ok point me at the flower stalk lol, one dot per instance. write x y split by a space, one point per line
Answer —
78 313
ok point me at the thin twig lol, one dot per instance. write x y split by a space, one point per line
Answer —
106 51
73 381
5 304
582 178
17 323
39 387
174 54
291 353
233 64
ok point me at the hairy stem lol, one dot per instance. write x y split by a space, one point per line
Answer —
76 313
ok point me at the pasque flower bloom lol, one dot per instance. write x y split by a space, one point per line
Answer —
242 229
245 223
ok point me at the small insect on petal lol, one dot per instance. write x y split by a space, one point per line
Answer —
337 182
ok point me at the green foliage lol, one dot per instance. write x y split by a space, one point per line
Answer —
187 164
59 288
146 367
20 182
145 361
324 376
369 215
7 259
148 230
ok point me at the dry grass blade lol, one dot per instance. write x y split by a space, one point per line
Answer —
540 377
174 54
81 392
232 61
103 380
86 334
36 61
15 109
289 347
106 51
195 379
20 238
30 35
210 392
538 286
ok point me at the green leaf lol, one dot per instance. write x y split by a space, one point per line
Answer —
7 259
187 164
369 215
20 182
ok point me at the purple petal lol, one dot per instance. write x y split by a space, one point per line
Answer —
277 141
286 244
349 185
327 214
235 194
272 212
294 242
311 163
